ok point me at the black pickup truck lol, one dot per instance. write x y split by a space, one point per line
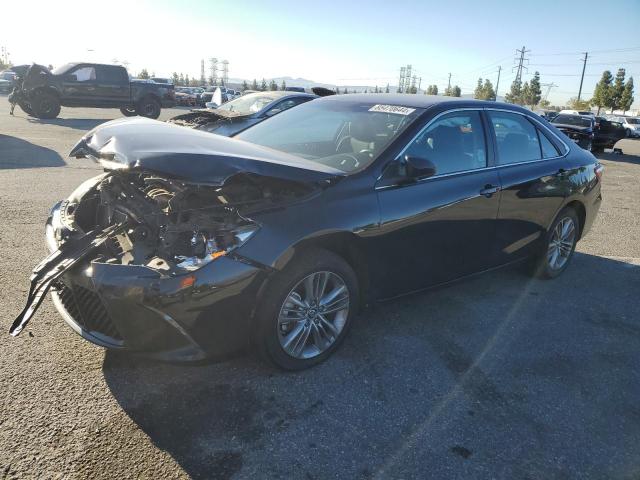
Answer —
41 93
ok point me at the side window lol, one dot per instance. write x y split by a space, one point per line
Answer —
85 74
548 149
112 75
516 138
454 143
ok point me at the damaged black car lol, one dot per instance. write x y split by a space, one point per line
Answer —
192 245
241 113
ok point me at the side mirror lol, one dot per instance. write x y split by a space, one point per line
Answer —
418 167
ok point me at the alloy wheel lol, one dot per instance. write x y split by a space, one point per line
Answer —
313 315
561 243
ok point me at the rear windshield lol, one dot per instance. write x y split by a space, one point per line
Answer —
572 120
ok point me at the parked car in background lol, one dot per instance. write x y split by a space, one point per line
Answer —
162 80
606 134
6 81
191 245
41 92
547 114
579 128
241 113
587 113
189 96
631 125
207 95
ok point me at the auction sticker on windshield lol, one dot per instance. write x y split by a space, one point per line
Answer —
392 109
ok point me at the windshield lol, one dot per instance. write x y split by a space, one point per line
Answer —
249 103
573 120
62 68
633 121
345 135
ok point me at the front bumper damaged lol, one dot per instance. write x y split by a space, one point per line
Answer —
189 317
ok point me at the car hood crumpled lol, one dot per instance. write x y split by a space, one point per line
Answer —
190 155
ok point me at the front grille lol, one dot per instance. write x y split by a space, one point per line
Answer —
86 308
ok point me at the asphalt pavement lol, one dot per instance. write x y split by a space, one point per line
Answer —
499 377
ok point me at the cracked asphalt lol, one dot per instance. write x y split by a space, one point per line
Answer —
499 377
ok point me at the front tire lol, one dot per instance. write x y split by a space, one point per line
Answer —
306 310
45 105
559 246
128 111
148 107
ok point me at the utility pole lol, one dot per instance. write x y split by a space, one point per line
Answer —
584 65
449 84
521 66
497 84
401 79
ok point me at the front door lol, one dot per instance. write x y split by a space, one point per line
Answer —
442 227
80 86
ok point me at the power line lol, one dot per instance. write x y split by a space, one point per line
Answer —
630 49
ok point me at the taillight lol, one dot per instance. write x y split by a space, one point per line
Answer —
599 170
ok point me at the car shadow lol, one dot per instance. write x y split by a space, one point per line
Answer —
75 123
630 152
19 153
489 364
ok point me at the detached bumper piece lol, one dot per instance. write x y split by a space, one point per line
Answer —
52 267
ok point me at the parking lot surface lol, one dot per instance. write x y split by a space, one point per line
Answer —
500 376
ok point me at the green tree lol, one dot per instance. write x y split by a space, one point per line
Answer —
478 93
489 92
535 91
186 80
273 86
143 73
181 79
575 104
617 89
283 86
376 90
515 94
345 90
432 90
455 91
245 86
263 85
254 85
525 96
545 104
602 91
627 96
175 78
412 89
386 90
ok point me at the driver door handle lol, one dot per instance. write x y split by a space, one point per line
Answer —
489 190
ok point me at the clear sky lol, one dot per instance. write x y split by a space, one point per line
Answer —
343 43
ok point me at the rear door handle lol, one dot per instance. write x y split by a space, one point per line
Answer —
489 190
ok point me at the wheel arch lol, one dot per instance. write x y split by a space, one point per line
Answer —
346 245
581 211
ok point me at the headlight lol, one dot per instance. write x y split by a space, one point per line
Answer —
232 240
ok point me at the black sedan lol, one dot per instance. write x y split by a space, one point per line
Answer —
243 112
579 128
193 245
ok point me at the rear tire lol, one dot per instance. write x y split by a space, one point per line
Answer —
128 111
45 105
558 246
271 332
148 107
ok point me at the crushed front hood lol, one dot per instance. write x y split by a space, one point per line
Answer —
190 155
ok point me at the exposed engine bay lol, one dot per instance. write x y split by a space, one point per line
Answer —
170 225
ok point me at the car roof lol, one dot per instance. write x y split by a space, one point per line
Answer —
419 101
278 94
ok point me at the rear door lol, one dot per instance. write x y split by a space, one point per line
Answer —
113 86
442 227
532 168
